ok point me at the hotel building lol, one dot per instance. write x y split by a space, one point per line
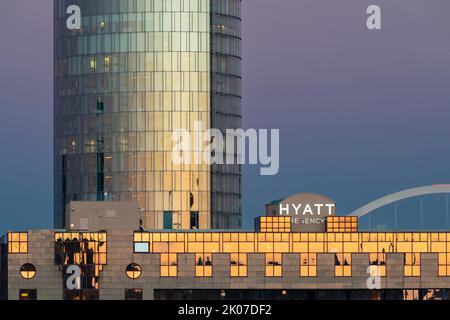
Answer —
136 71
272 262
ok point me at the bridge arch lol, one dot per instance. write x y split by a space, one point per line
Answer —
402 195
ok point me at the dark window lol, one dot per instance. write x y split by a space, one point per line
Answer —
27 294
134 294
194 220
3 270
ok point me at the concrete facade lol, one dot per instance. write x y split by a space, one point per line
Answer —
3 270
49 280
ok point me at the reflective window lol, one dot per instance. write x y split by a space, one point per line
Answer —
134 294
343 245
17 242
444 264
141 247
275 224
169 265
412 265
343 265
342 224
28 271
274 265
88 251
238 266
133 271
378 260
308 265
203 265
27 294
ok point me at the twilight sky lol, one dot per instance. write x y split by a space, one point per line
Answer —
362 113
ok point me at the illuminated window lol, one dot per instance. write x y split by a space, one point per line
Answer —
274 265
377 262
439 243
77 248
308 265
27 294
444 264
412 265
168 217
411 244
107 63
134 294
18 242
411 295
377 245
307 245
274 224
342 224
82 248
203 265
169 265
168 245
343 265
133 271
92 64
28 271
238 265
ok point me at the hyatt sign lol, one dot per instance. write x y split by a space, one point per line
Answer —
308 211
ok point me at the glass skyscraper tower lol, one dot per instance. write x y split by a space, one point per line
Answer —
133 73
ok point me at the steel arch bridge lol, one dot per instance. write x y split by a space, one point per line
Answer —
402 195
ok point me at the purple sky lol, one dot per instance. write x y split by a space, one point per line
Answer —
362 113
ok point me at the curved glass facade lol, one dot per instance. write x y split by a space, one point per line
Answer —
136 71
